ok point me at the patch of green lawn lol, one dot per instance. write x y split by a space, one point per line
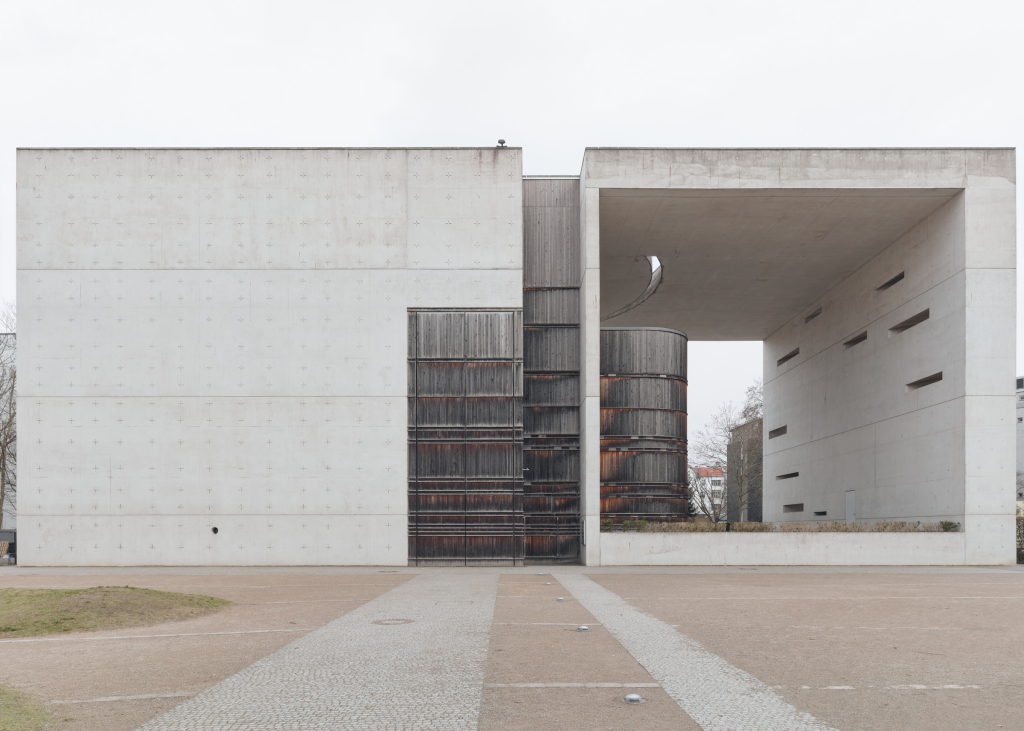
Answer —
21 712
28 612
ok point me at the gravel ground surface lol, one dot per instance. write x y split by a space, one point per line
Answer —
847 649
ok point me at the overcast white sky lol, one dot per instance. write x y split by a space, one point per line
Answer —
552 77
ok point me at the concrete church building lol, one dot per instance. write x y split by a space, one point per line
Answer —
384 356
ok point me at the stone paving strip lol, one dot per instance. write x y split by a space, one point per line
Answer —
411 659
715 694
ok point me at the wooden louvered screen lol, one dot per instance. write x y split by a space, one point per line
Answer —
465 437
552 361
643 424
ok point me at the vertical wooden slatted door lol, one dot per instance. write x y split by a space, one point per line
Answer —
465 437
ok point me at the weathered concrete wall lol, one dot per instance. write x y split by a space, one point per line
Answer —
783 549
218 338
945 451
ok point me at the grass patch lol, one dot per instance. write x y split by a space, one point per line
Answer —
21 712
29 612
882 526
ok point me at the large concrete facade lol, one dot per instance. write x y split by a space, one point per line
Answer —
217 338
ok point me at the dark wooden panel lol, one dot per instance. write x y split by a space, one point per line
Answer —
551 193
643 422
551 420
490 379
562 389
552 466
551 256
551 349
643 393
551 307
643 351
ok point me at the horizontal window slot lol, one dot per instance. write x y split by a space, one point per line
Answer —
793 508
856 339
787 476
812 316
926 381
820 513
777 432
911 321
894 280
788 356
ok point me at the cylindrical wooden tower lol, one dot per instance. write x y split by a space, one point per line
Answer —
643 424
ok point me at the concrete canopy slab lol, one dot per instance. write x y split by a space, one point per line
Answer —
740 263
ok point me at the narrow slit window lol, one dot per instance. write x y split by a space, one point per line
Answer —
926 381
894 280
777 432
821 513
812 316
787 476
1020 383
911 321
788 356
856 339
793 508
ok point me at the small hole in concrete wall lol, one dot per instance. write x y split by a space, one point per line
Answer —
926 381
812 316
777 432
793 508
787 476
910 322
215 531
891 282
787 356
856 339
821 512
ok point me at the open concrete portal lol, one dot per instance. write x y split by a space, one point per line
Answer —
376 356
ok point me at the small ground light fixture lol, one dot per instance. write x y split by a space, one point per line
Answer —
561 598
633 699
583 628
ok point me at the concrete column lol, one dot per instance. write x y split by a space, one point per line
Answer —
990 325
590 411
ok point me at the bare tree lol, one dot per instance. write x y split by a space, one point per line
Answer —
732 442
8 409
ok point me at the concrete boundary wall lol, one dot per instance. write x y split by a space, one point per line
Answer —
783 549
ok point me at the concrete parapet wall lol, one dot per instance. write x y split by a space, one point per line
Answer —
783 549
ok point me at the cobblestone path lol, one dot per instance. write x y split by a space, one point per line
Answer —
410 659
715 694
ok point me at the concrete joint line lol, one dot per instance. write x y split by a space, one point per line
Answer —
115 698
150 637
717 695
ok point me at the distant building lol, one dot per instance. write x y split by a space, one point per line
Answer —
744 472
1020 445
717 496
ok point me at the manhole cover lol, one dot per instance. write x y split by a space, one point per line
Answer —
392 621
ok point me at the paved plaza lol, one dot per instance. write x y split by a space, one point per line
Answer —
712 649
